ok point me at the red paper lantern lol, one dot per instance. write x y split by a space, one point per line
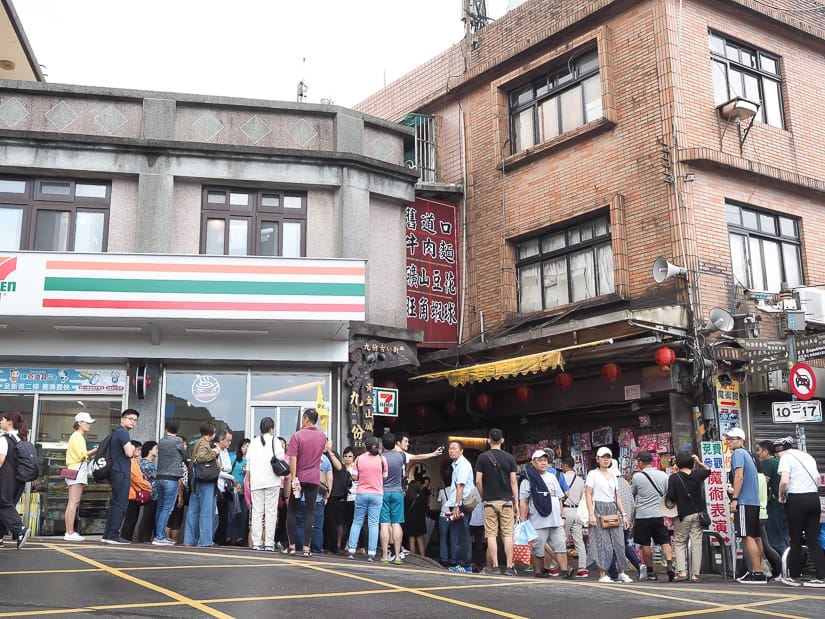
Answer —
450 407
563 380
389 384
524 393
665 356
421 411
484 402
611 371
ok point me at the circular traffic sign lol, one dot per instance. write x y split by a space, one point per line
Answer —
802 381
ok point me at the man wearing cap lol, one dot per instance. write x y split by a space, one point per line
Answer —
799 481
540 501
744 504
649 485
77 459
777 525
121 451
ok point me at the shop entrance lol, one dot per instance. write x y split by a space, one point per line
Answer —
55 426
287 417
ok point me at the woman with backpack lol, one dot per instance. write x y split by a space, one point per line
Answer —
264 486
11 488
77 459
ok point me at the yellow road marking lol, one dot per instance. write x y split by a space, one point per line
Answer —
148 585
67 571
751 607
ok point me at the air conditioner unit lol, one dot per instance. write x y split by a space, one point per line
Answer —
813 304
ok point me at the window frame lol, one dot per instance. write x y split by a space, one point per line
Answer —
756 72
542 257
742 230
547 86
255 214
33 201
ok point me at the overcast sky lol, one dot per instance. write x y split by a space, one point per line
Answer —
343 49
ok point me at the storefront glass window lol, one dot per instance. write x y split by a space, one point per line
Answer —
195 397
291 393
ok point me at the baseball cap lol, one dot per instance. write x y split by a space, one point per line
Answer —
781 444
84 416
645 456
539 453
735 433
604 451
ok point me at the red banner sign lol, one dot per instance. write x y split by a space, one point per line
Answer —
432 272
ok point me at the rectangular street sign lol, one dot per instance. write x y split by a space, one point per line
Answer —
774 346
797 411
760 366
810 346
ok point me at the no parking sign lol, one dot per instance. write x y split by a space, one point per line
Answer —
802 381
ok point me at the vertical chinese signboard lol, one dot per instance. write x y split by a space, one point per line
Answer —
729 406
713 458
432 271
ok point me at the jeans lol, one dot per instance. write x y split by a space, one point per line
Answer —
460 546
777 529
317 544
118 504
167 491
309 492
200 518
444 554
366 504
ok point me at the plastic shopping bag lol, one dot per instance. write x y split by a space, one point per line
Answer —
524 533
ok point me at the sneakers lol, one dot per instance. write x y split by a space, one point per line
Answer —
582 573
456 568
74 537
164 541
371 558
269 548
625 578
606 579
21 539
757 578
671 573
491 571
510 571
554 572
787 580
642 572
816 582
468 569
541 574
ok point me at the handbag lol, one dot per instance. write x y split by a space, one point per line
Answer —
68 473
582 513
470 502
610 521
205 472
666 507
279 467
524 533
142 497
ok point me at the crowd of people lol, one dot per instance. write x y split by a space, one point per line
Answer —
366 503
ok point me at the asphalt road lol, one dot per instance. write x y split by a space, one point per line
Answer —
54 578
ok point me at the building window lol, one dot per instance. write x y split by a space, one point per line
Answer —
764 248
54 215
242 222
743 71
564 266
566 98
422 154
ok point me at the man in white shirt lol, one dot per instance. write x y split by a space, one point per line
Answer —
572 526
226 486
540 501
461 487
798 489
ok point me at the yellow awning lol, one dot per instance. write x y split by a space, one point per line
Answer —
528 364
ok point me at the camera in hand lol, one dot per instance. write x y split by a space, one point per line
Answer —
450 517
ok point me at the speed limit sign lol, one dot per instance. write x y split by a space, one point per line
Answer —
802 381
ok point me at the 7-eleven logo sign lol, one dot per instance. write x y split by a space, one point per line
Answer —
385 402
7 266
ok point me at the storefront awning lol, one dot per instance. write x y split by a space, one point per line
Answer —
507 368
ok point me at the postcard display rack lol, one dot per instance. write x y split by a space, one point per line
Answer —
55 493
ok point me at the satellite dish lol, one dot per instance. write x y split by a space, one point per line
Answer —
720 320
662 270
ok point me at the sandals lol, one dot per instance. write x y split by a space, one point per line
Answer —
694 578
289 551
306 553
682 577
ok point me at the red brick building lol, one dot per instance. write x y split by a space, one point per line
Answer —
579 141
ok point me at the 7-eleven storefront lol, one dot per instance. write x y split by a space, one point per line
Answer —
226 339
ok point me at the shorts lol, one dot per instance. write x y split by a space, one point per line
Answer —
392 508
554 536
646 529
746 521
498 516
82 476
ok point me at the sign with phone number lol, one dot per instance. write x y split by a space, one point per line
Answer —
797 412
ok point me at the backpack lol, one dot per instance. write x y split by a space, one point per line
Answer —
542 500
26 468
101 464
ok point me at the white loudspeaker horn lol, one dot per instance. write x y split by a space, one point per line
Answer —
662 270
720 320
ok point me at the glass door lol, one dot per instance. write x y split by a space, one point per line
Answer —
287 417
55 426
